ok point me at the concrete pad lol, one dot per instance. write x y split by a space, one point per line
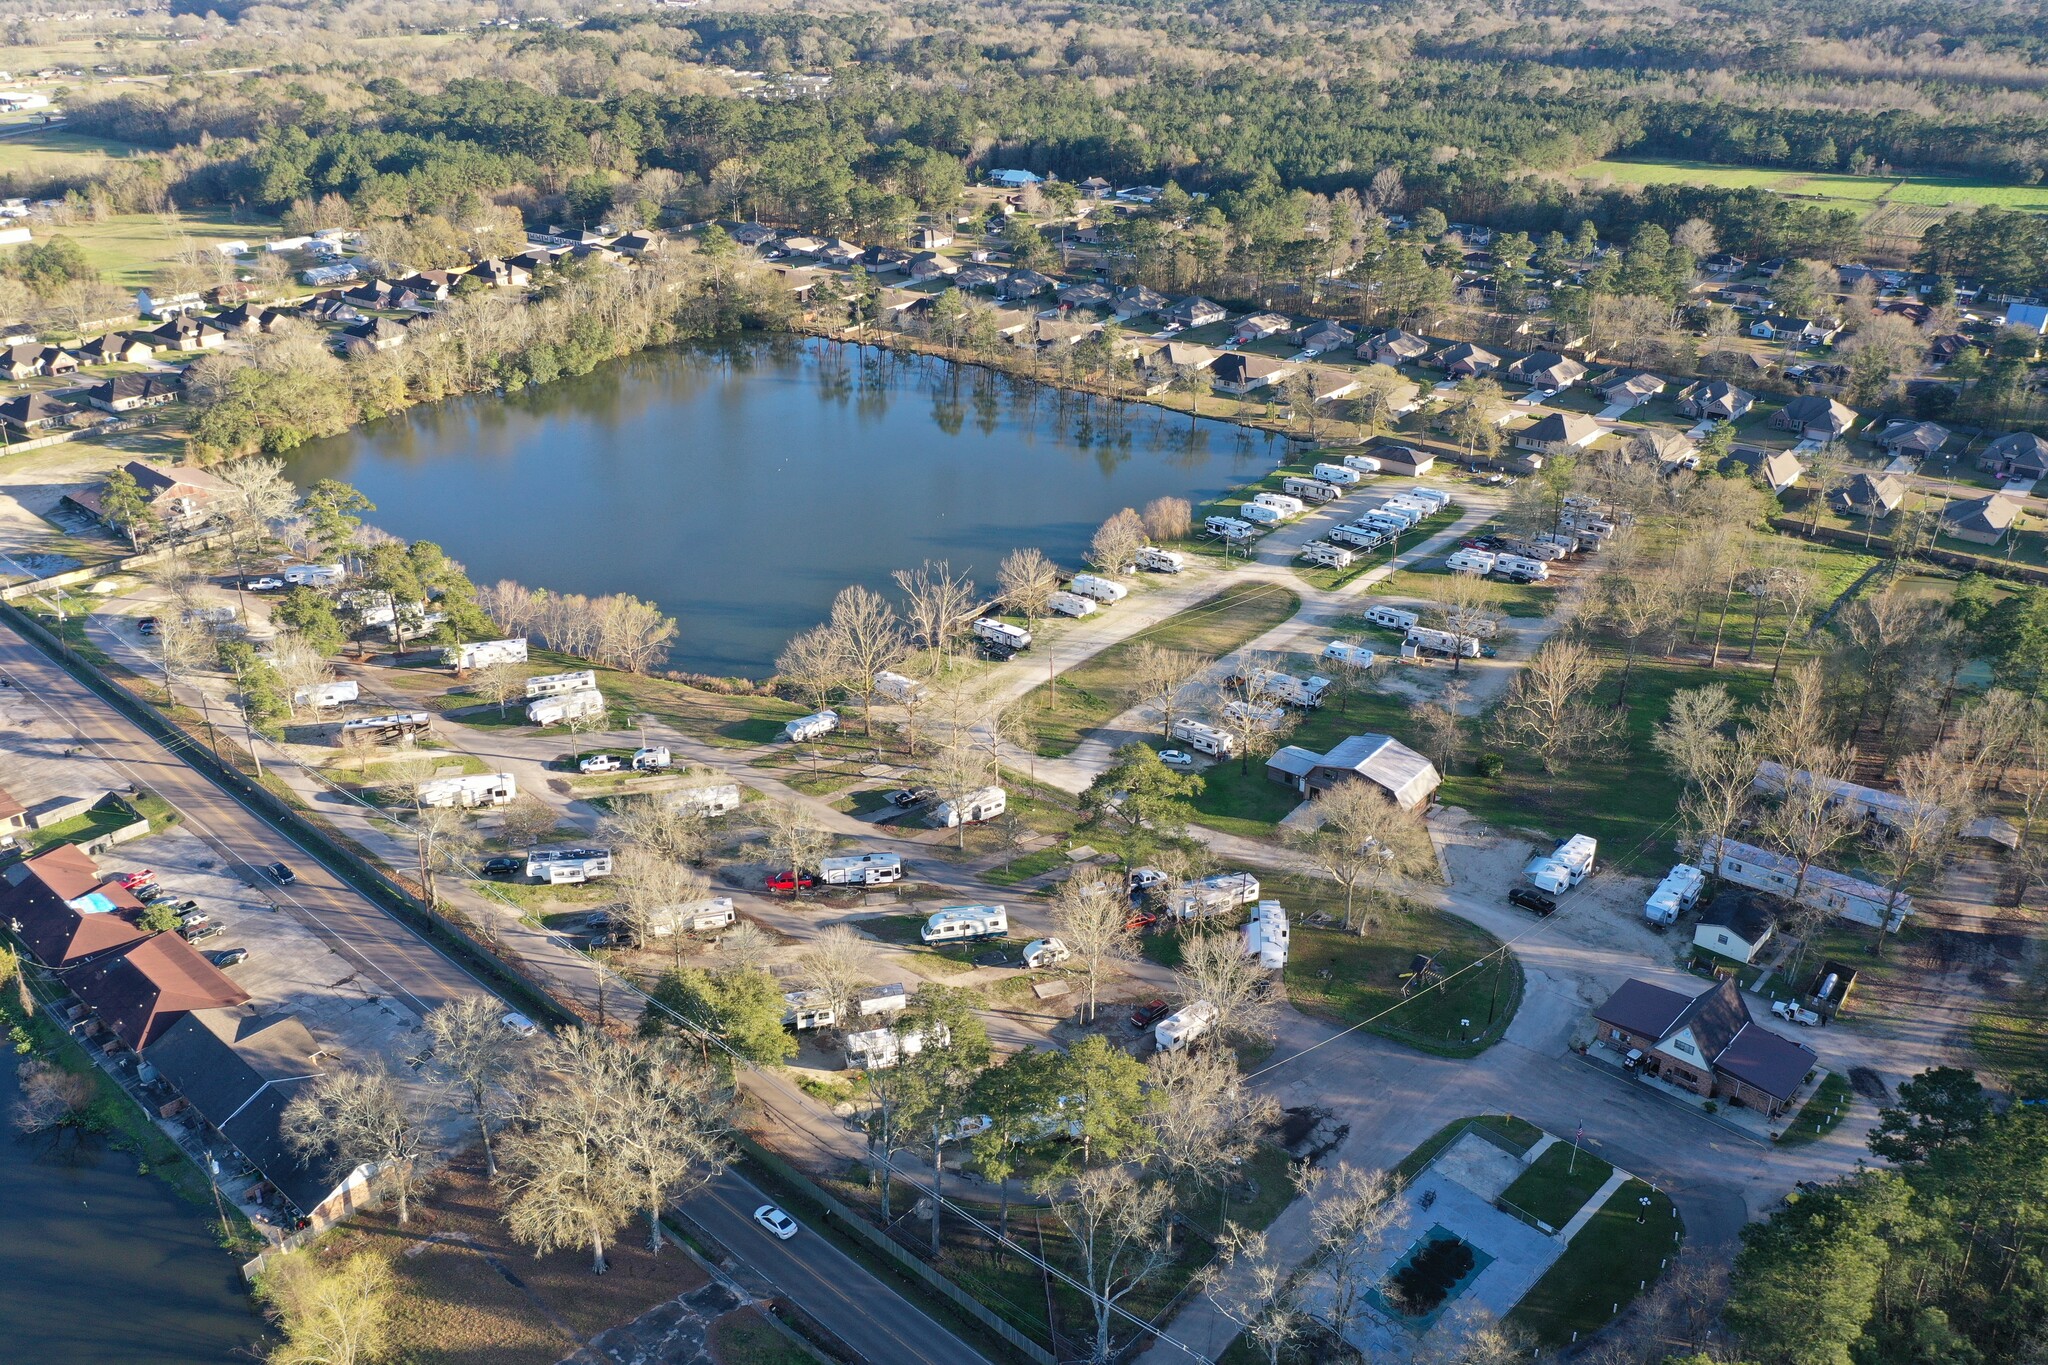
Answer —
1478 1165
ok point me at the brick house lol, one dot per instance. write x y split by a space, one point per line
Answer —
1707 1043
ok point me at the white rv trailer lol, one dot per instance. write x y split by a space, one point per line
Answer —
1002 633
1338 474
320 696
895 687
1238 711
807 1009
1230 528
972 809
804 729
568 866
1565 866
1183 1026
483 653
1521 565
556 684
559 710
1213 895
711 799
876 1001
1260 514
1357 537
865 869
1449 644
315 575
1161 561
478 789
1265 938
1364 464
1310 490
1104 590
1351 656
1677 893
1468 561
1392 618
1204 739
1072 604
1285 688
399 725
960 923
1285 504
1325 555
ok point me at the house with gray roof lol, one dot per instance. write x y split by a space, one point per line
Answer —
1981 521
1915 439
1716 398
1707 1043
1815 417
1408 779
1394 347
1869 495
2019 455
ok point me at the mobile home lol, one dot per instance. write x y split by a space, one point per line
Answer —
557 684
1265 938
807 1010
566 707
320 696
866 869
483 653
971 809
479 789
1230 528
877 1001
804 729
1204 739
1327 556
961 923
1103 590
1072 604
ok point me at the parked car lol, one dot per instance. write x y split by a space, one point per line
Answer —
789 883
520 1024
598 763
267 583
776 1221
228 957
503 866
1797 1014
148 625
281 874
995 652
1140 921
199 933
1532 900
912 796
1146 1015
1176 758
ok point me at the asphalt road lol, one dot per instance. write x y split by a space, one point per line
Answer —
811 1274
386 951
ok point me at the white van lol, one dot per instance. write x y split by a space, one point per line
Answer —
1391 618
965 922
1161 561
1326 555
1340 474
1103 590
1311 490
1072 604
1204 739
804 729
1230 528
1351 656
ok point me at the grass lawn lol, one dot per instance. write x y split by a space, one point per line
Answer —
1851 189
743 1338
1239 798
951 959
1526 600
1819 1113
1260 1190
1100 689
1557 1184
130 249
54 151
1026 866
2011 1036
1610 1254
109 815
1347 977
1519 1135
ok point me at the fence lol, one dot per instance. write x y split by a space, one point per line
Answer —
903 1256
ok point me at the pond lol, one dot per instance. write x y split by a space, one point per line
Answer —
102 1263
741 485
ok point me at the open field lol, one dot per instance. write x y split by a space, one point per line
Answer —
130 249
47 150
1930 190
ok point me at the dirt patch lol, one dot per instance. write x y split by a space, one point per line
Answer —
1868 1084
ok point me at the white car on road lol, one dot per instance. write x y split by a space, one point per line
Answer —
776 1221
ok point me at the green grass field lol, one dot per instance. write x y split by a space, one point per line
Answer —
1605 1265
1933 190
130 250
52 150
1557 1184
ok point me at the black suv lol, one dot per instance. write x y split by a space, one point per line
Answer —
503 867
1536 902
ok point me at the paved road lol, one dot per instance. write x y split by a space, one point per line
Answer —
871 1319
385 950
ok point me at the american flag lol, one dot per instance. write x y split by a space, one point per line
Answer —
1579 1136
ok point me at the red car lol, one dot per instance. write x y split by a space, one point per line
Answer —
1148 1015
135 881
1140 921
789 883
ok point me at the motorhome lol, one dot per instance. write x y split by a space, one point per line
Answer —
565 708
568 866
1001 633
865 869
1570 863
903 691
1358 537
1072 604
960 923
1448 644
320 696
1265 938
1161 561
1391 618
1204 739
1285 688
315 575
971 809
1364 464
711 799
1285 504
483 653
1310 490
399 725
1351 656
479 789
1103 590
1676 894
1230 528
1343 475
807 1010
652 758
1476 562
1183 1026
804 729
557 684
1520 566
1327 556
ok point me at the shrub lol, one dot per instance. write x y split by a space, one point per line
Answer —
1490 765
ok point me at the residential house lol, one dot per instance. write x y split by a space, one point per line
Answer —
1707 1043
13 816
1320 338
1239 373
23 361
63 910
1715 398
1095 187
1052 333
321 276
1815 417
2028 317
1630 387
1806 331
1723 266
30 413
16 334
1875 496
750 235
1466 361
1013 179
930 265
131 392
501 274
1776 470
1394 347
1946 348
533 261
1559 433
1762 869
377 334
641 243
1164 364
187 333
2018 455
244 320
430 284
1736 924
115 349
1667 448
1025 284
1547 370
1916 440
1135 300
331 308
139 990
839 252
978 276
591 251
57 360
1981 521
884 260
1405 776
177 499
371 294
1195 311
925 237
1085 294
799 245
1259 326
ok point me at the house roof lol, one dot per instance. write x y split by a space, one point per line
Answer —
67 912
2023 448
1294 760
1718 391
1993 513
1814 409
1742 913
1406 775
1465 350
1642 1009
135 386
1714 1017
1866 490
1922 436
1759 1057
1547 362
1562 428
1780 469
1236 367
1138 299
155 481
1636 383
1406 345
9 807
35 407
140 990
1194 304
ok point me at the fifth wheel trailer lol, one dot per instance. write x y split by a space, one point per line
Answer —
478 789
558 684
1565 866
566 707
483 653
865 869
1104 590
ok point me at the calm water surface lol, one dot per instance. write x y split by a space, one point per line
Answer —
742 485
102 1266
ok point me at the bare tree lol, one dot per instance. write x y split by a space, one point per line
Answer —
1113 1222
1363 841
1718 767
498 684
1163 677
867 638
937 602
50 1096
1168 519
1027 580
1348 1223
1092 919
1636 595
1214 967
1257 1291
795 837
745 947
1116 543
1937 794
1807 822
673 1116
1465 604
361 1116
659 822
653 891
812 665
300 667
1253 717
567 1188
479 1056
1205 1121
836 964
1442 727
527 821
1548 710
